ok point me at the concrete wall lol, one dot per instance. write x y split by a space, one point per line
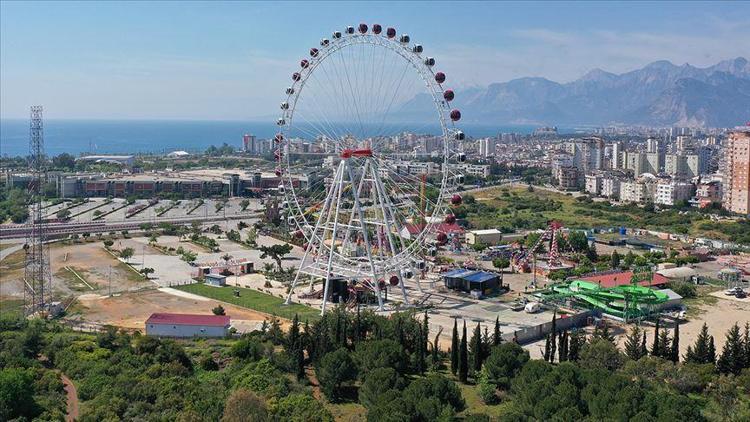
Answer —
537 332
169 330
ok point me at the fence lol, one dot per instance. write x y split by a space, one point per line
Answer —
537 332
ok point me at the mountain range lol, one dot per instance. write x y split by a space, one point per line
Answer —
659 94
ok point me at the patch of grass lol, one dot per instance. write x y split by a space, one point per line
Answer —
474 403
349 412
253 299
12 308
14 261
517 208
130 274
71 280
702 301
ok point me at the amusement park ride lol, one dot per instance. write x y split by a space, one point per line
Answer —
630 301
520 259
343 97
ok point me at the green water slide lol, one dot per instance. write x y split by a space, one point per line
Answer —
626 301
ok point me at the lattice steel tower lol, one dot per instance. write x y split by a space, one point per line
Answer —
37 276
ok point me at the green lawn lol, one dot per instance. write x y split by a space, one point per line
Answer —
253 299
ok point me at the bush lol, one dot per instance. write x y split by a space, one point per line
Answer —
300 408
335 369
207 363
377 382
504 362
380 354
247 348
684 289
487 391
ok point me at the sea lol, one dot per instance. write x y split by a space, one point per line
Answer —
161 136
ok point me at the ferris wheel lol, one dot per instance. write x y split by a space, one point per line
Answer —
369 159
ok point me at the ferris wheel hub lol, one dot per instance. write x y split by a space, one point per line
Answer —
349 153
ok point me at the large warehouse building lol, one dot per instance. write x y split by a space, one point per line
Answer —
187 325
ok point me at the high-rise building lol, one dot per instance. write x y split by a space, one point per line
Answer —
616 159
686 166
486 147
652 145
249 144
587 154
737 171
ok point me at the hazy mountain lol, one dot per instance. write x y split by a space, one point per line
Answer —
660 93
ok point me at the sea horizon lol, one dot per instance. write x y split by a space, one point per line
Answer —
160 136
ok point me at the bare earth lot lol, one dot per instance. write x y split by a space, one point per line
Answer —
131 310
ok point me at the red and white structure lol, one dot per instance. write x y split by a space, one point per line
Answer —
350 102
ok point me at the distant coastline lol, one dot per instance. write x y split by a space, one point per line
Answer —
160 136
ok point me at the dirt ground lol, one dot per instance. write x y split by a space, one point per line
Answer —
131 310
88 260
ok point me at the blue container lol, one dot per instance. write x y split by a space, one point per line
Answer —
623 231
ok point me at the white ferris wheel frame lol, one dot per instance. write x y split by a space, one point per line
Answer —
412 252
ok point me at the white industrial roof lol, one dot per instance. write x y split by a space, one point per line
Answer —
679 272
486 231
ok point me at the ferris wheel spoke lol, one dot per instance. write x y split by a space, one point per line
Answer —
393 97
321 116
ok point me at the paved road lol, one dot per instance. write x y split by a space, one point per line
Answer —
7 251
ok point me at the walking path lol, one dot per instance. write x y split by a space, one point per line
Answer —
71 411
186 295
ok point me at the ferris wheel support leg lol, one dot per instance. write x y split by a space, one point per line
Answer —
339 187
309 248
360 214
387 217
356 195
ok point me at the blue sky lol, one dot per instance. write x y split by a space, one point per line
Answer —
226 61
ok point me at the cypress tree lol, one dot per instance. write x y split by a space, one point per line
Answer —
553 336
664 349
711 355
644 347
633 343
463 358
454 348
546 348
576 341
400 332
486 344
344 328
747 345
294 348
476 349
425 334
732 357
700 349
337 329
655 347
563 346
690 355
497 338
674 353
615 260
420 350
436 350
357 328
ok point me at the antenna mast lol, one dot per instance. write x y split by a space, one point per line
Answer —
37 277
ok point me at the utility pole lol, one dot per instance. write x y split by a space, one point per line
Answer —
37 278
